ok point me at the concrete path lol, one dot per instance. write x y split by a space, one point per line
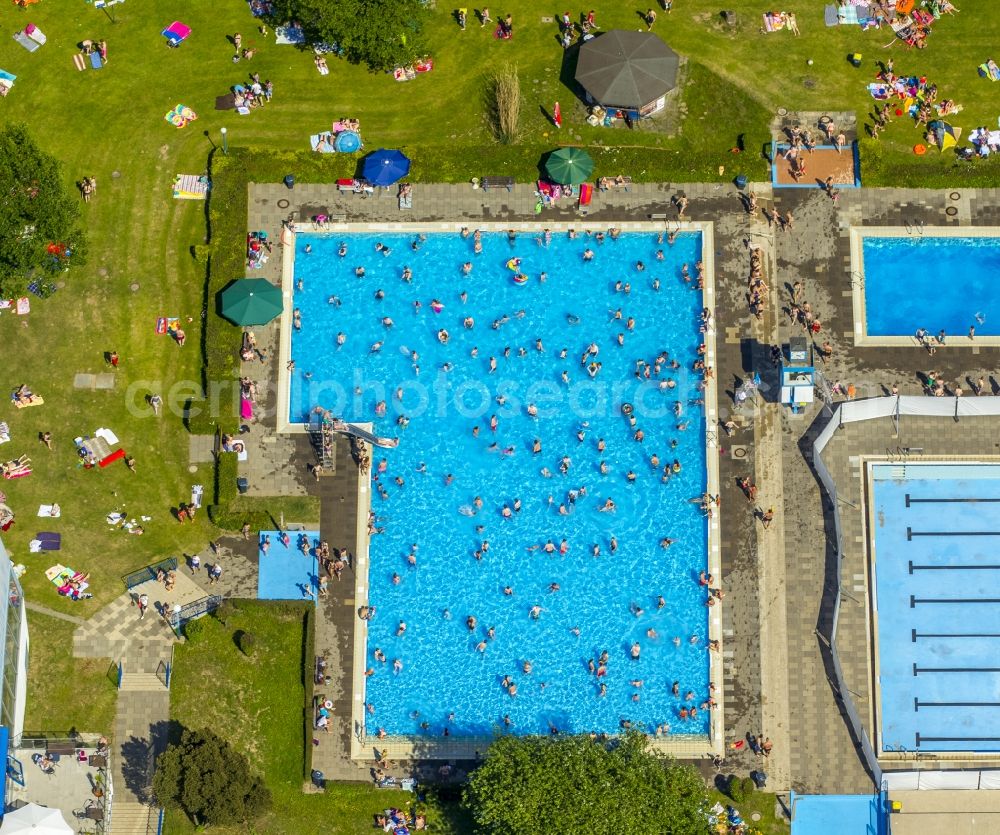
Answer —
771 542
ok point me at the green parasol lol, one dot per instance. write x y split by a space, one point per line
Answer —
251 301
569 166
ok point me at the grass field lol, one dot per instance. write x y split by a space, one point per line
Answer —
257 704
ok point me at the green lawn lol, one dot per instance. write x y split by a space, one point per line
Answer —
83 688
257 704
761 803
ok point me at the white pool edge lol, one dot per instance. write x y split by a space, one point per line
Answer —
686 746
856 276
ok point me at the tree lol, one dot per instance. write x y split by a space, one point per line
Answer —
577 784
209 781
38 219
380 33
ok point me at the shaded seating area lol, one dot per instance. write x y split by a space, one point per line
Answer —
628 74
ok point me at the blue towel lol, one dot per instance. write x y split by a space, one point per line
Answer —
95 60
6 76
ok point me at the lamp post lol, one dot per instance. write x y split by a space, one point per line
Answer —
225 141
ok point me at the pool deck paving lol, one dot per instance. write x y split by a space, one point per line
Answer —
797 705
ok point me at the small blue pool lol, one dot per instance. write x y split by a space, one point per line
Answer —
287 571
932 283
936 540
408 346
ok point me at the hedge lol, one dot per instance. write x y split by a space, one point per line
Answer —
309 680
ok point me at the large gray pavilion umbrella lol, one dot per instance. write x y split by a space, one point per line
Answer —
628 70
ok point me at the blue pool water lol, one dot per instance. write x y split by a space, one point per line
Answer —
932 283
936 530
443 673
285 572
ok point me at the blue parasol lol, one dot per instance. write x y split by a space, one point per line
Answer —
347 142
383 167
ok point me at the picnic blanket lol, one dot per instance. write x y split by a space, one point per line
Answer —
7 81
226 102
4 435
45 541
191 186
50 510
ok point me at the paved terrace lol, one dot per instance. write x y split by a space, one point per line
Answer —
775 674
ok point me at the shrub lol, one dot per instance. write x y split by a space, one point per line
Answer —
736 789
503 103
749 787
247 643
194 631
224 611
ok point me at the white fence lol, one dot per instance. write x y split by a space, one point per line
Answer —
956 780
896 408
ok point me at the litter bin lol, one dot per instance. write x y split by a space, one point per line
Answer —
741 181
242 485
289 181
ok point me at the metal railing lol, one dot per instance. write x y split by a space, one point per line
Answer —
164 669
195 609
149 572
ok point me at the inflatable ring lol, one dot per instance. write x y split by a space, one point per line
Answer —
514 264
920 150
188 113
519 278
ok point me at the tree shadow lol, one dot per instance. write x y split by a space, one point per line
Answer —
138 757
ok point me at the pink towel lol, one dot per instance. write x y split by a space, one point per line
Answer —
246 409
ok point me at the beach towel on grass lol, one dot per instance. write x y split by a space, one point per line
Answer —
55 571
322 143
848 15
773 21
990 70
27 42
190 187
830 16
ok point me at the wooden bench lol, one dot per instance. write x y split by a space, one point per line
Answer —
496 182
64 749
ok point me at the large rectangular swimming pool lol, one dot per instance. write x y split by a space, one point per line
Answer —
936 531
934 283
551 436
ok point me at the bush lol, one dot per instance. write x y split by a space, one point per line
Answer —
247 643
503 103
224 611
194 631
749 787
737 788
